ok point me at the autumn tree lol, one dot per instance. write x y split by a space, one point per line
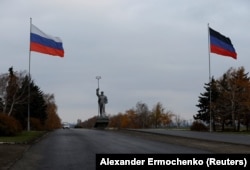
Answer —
89 123
157 114
53 121
19 95
235 96
230 100
242 81
142 117
133 119
116 121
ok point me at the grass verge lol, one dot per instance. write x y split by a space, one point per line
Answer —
23 138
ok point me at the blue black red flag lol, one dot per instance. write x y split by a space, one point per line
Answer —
221 44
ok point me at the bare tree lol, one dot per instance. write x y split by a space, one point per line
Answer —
142 112
10 93
178 120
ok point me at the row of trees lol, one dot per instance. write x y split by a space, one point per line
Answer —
225 105
226 101
140 117
20 95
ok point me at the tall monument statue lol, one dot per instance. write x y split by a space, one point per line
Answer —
102 100
102 119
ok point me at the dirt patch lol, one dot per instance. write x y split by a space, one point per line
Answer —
10 153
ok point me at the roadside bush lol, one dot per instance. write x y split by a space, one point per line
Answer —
35 124
78 126
9 126
198 126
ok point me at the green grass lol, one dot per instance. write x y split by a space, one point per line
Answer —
24 137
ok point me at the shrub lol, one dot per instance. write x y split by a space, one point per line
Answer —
198 126
9 126
35 124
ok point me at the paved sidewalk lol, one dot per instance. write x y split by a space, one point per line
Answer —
211 136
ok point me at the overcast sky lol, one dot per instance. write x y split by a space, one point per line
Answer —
145 51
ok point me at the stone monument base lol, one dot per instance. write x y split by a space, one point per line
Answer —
101 122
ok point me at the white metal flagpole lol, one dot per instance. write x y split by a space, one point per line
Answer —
210 90
28 118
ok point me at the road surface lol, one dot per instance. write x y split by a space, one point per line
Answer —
73 149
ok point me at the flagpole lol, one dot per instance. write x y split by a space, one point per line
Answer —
28 121
210 90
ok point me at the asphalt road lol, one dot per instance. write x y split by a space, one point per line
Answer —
73 149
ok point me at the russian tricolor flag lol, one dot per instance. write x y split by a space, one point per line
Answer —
44 43
221 45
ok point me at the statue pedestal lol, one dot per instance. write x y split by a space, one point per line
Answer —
101 122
